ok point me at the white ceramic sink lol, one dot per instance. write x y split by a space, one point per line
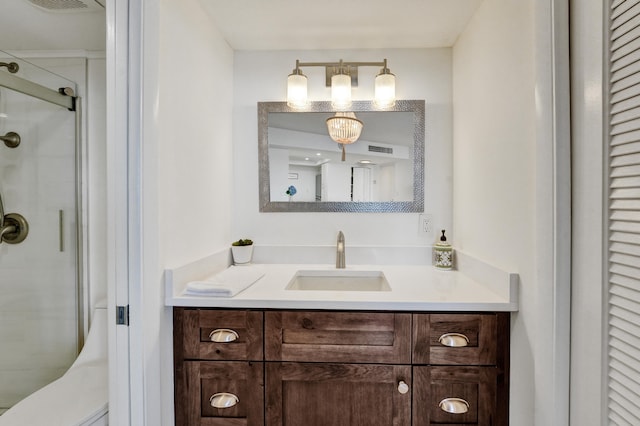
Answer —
339 280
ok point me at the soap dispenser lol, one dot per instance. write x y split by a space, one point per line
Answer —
443 254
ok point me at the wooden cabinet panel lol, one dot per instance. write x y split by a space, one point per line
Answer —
310 394
432 333
454 386
321 368
338 337
204 379
196 326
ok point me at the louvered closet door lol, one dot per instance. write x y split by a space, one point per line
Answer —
624 215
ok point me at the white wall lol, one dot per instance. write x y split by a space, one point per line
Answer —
494 157
305 182
336 182
261 76
186 170
278 174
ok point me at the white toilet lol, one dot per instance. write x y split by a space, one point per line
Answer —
80 397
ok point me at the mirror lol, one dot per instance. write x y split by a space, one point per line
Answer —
301 169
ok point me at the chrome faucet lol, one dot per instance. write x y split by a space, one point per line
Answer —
340 262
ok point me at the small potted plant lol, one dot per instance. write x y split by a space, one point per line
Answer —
242 251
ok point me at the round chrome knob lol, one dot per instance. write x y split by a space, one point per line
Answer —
403 387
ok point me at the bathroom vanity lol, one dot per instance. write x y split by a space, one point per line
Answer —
434 349
313 368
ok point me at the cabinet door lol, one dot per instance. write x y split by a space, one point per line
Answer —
455 395
308 394
239 386
301 336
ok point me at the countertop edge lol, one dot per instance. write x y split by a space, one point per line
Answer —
230 303
501 287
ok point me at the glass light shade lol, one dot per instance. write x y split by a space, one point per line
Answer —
344 127
341 91
385 90
297 90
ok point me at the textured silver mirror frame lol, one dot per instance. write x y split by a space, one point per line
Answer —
415 206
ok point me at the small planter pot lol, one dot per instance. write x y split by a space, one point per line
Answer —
242 254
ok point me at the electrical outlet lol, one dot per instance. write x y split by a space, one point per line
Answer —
426 224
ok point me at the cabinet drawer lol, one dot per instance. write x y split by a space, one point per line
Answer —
238 334
455 339
237 387
338 337
454 395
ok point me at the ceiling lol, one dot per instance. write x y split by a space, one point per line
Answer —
24 26
340 24
262 24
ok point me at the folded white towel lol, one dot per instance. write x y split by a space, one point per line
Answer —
227 283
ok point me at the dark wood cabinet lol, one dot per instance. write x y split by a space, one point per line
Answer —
454 395
239 386
383 338
321 394
335 368
218 356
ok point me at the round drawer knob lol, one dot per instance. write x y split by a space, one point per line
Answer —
223 400
403 387
454 405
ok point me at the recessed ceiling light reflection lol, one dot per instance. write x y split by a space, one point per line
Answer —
318 154
306 158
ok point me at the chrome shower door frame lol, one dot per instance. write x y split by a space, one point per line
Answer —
65 98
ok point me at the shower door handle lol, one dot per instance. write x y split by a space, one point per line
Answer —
1 213
61 230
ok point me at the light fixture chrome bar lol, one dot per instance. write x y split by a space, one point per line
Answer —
332 68
341 76
37 91
341 63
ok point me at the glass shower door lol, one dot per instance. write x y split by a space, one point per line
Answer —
39 292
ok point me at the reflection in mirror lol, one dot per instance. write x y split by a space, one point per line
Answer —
302 170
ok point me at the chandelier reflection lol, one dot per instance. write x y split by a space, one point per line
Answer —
344 128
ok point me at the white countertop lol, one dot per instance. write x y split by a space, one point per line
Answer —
474 287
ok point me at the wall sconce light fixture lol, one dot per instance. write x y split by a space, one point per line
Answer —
341 88
297 89
341 76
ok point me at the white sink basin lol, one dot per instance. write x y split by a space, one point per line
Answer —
339 280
